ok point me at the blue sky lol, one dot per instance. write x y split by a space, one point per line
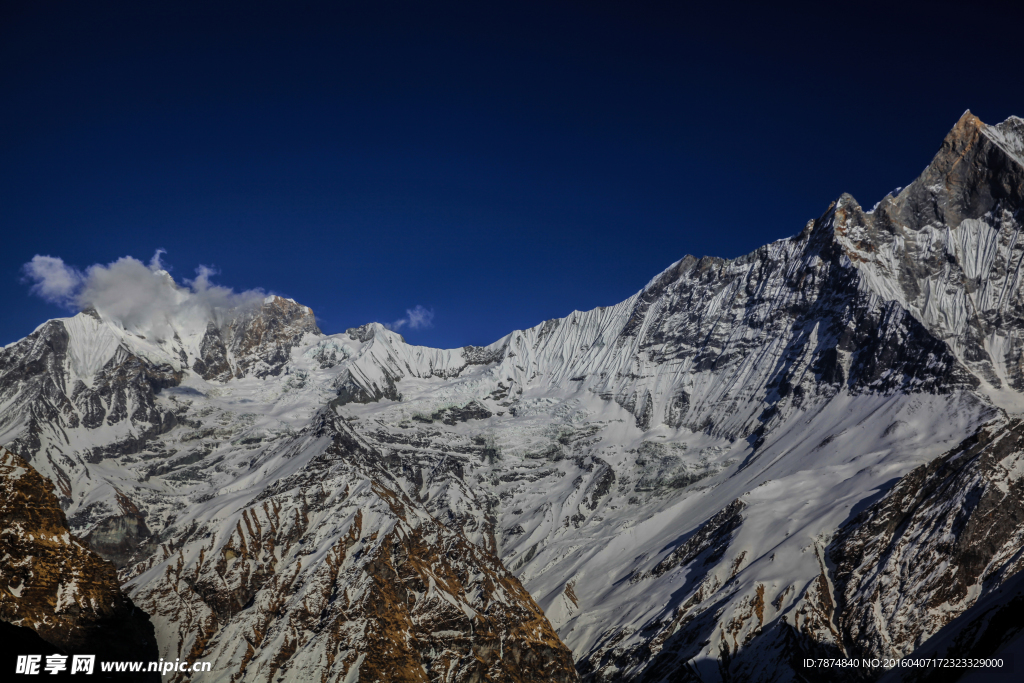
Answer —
496 165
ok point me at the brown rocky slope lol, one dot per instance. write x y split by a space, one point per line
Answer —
51 583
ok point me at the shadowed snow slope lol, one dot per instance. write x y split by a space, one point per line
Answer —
690 483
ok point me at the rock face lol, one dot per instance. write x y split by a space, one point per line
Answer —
262 339
947 535
810 449
54 584
255 341
946 247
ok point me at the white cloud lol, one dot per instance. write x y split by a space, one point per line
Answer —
416 318
142 298
155 263
54 280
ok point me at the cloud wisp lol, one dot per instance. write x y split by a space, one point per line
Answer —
142 298
416 318
53 280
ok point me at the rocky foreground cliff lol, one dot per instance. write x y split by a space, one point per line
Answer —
811 449
55 586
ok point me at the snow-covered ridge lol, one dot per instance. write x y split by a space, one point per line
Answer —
664 476
947 249
1009 135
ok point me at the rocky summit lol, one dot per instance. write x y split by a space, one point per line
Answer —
812 450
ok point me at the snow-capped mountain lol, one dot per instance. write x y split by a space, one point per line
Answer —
747 461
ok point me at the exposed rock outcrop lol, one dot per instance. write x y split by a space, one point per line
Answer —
53 584
947 534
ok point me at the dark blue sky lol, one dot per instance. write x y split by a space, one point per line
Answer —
499 163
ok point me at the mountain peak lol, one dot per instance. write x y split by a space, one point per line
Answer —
968 120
